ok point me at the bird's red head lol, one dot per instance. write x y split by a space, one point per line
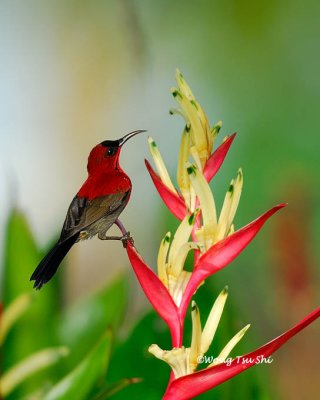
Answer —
105 156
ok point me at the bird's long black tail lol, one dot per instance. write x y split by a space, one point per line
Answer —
50 263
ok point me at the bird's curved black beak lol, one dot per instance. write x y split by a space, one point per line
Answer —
130 135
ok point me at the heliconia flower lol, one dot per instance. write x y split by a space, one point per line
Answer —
191 385
178 203
184 361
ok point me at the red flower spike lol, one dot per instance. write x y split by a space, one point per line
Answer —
189 386
157 294
216 159
174 203
221 254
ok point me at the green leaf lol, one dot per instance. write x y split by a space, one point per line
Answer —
21 257
84 323
79 383
34 329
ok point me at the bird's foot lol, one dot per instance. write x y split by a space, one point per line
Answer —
127 238
124 238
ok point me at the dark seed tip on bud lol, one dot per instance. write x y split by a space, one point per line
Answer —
191 170
175 93
191 219
194 104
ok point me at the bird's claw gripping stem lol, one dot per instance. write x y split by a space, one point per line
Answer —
126 238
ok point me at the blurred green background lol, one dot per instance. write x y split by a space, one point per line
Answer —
74 73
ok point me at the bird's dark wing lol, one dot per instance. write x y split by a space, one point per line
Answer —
83 212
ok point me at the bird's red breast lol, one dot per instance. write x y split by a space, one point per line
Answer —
102 184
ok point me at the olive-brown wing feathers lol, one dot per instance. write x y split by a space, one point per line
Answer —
83 213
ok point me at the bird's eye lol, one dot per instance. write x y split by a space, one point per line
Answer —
111 151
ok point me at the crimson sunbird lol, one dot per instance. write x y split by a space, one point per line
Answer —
94 209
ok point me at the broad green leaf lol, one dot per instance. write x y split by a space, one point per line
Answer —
82 324
79 383
34 330
20 258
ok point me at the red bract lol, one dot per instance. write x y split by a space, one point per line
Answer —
216 159
189 386
221 254
157 294
171 200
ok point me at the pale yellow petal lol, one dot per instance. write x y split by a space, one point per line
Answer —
223 222
235 196
182 175
182 235
162 258
230 346
177 286
230 205
186 91
183 86
206 199
180 257
178 111
195 155
195 347
213 321
198 132
160 166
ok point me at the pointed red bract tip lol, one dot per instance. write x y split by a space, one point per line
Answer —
156 293
222 253
189 386
174 203
216 159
